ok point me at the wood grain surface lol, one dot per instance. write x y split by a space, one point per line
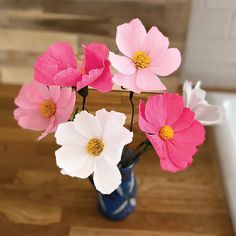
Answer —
36 200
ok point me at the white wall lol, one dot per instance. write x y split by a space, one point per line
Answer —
210 53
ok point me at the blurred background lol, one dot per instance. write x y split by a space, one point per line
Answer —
36 200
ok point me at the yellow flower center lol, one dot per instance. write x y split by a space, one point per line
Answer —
166 132
47 108
95 147
141 59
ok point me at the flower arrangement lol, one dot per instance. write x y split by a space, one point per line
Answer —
95 146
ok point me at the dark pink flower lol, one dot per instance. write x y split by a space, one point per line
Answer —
58 66
172 130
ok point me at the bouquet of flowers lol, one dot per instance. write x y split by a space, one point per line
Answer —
95 146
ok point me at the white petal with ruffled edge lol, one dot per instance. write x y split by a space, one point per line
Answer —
87 125
195 99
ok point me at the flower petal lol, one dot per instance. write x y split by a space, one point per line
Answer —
55 92
161 149
112 153
86 170
130 37
22 100
104 116
66 134
50 129
127 81
194 134
99 48
104 82
71 157
89 78
87 125
167 62
66 107
92 59
147 81
155 111
155 40
168 165
208 114
31 119
67 77
143 123
114 133
157 143
107 177
174 106
123 64
184 121
37 92
58 57
181 153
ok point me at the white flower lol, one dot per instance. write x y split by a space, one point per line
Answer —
93 145
195 99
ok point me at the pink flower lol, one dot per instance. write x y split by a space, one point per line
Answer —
172 130
58 66
146 56
43 108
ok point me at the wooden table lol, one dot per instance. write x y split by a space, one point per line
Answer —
36 200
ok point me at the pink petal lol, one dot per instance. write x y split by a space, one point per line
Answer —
63 54
31 119
99 48
65 106
174 106
158 145
55 92
155 111
168 165
127 81
122 64
181 153
130 37
104 82
89 78
194 134
58 57
161 149
155 40
23 100
143 123
184 121
68 77
166 63
147 81
92 60
37 92
50 129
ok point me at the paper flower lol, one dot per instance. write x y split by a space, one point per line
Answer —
93 145
58 66
172 130
43 108
195 99
146 56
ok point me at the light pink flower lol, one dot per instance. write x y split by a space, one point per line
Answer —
42 108
58 66
172 130
146 56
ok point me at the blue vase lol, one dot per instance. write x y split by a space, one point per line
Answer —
120 203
